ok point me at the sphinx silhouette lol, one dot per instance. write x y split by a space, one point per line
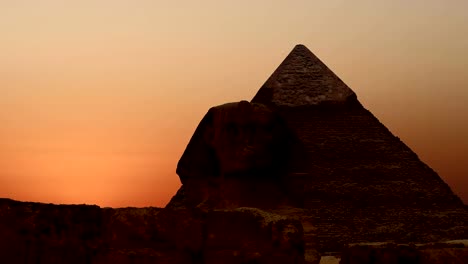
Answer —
236 157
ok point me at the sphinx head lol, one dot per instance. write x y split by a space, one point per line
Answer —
235 140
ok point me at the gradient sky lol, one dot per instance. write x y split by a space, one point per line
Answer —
98 98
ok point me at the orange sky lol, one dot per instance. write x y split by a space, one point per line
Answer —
99 98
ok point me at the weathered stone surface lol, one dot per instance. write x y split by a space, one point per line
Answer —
329 260
40 233
254 236
47 233
183 228
241 235
451 252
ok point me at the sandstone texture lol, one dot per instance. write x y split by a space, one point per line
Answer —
450 252
47 233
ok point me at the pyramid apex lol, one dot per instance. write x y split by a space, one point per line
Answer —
300 46
302 79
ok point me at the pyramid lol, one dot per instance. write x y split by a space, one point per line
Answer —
355 179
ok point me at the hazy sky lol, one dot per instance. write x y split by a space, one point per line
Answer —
98 98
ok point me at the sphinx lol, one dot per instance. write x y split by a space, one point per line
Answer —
236 157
